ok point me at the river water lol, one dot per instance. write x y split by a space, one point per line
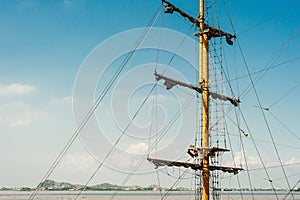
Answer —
70 195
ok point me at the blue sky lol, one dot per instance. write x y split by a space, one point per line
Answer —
44 43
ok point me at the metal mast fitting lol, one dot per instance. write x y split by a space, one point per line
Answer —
210 31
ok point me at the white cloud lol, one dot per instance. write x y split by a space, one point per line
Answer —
18 114
239 159
63 100
14 105
129 158
15 89
26 119
161 98
67 1
125 161
20 122
292 161
138 148
79 162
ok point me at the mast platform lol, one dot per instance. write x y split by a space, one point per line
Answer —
196 151
194 166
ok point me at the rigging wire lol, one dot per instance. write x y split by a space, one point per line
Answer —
162 134
271 62
163 131
169 63
170 124
289 130
234 162
274 59
276 118
258 99
276 166
260 140
259 154
158 44
292 175
227 115
253 141
262 112
175 53
156 114
291 190
159 184
256 139
227 76
219 59
191 175
284 95
174 185
156 91
276 102
154 102
278 186
280 13
246 163
262 70
244 154
94 107
116 143
273 180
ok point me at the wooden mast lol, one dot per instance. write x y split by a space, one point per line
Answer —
204 81
205 33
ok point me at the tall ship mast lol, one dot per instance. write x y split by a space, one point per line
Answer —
201 154
120 144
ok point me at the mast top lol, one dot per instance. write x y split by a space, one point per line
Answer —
210 31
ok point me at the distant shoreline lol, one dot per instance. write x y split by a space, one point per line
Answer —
136 195
144 193
145 190
51 185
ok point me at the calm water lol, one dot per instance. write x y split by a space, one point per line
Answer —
14 195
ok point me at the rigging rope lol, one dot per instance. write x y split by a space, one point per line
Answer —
175 53
271 62
232 155
94 107
263 114
253 87
259 140
289 130
116 143
259 154
291 190
276 166
280 13
260 71
159 185
256 94
170 124
162 134
175 184
247 166
283 96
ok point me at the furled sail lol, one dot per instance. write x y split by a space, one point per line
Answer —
194 166
169 83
